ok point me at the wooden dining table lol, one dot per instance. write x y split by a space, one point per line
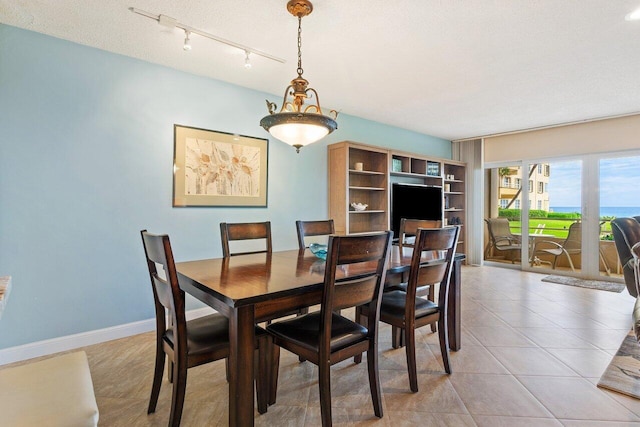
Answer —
252 288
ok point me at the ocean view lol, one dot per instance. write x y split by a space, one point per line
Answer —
609 211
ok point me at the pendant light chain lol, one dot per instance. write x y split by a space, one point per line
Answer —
300 71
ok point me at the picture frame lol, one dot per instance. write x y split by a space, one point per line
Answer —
213 168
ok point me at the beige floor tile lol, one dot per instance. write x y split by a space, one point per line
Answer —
435 395
492 336
422 419
474 360
497 421
576 398
554 338
586 362
530 361
525 319
606 339
583 423
485 394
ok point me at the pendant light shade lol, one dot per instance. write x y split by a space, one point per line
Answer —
298 124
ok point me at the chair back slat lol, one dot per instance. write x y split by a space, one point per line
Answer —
354 293
313 228
245 231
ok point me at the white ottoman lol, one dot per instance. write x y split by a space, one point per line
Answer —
53 392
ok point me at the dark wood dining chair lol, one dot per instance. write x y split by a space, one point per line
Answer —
409 229
311 229
325 337
407 311
192 343
406 238
245 231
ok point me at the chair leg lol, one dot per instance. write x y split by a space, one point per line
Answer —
157 379
570 261
432 297
396 337
360 319
177 398
274 367
410 336
324 382
374 378
170 371
444 344
262 375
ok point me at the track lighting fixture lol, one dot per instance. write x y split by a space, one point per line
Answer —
169 22
187 41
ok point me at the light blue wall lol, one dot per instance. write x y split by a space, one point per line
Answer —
86 154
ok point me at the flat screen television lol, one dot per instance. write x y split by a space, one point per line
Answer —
414 201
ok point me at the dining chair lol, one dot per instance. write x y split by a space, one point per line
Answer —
245 231
406 238
189 343
407 311
409 229
312 229
326 337
502 240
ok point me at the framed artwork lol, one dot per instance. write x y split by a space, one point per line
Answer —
213 168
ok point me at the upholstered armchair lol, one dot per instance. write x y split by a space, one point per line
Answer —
626 233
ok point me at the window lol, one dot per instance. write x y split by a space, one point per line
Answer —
518 182
504 203
539 168
546 170
540 187
530 186
517 204
546 187
506 182
539 204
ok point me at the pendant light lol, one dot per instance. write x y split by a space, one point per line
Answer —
298 124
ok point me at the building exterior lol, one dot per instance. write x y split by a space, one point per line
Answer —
510 187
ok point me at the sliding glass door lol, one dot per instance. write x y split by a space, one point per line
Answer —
619 179
555 216
561 209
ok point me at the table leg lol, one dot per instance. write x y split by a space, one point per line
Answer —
241 340
454 321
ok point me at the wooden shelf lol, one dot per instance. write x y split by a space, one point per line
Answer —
368 188
371 185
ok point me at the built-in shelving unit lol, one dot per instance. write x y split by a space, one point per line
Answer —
361 173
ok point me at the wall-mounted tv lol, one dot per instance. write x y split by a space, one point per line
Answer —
414 201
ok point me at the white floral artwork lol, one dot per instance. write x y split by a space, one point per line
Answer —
214 168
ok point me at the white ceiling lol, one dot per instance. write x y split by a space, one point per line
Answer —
448 68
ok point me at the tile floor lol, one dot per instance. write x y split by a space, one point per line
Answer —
532 353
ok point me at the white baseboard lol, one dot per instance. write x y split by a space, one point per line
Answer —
70 342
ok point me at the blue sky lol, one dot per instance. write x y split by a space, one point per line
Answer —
619 178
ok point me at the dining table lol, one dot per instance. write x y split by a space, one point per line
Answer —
258 287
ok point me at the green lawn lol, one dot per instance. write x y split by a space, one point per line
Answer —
557 227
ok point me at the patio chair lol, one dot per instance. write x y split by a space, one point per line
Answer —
502 240
571 246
